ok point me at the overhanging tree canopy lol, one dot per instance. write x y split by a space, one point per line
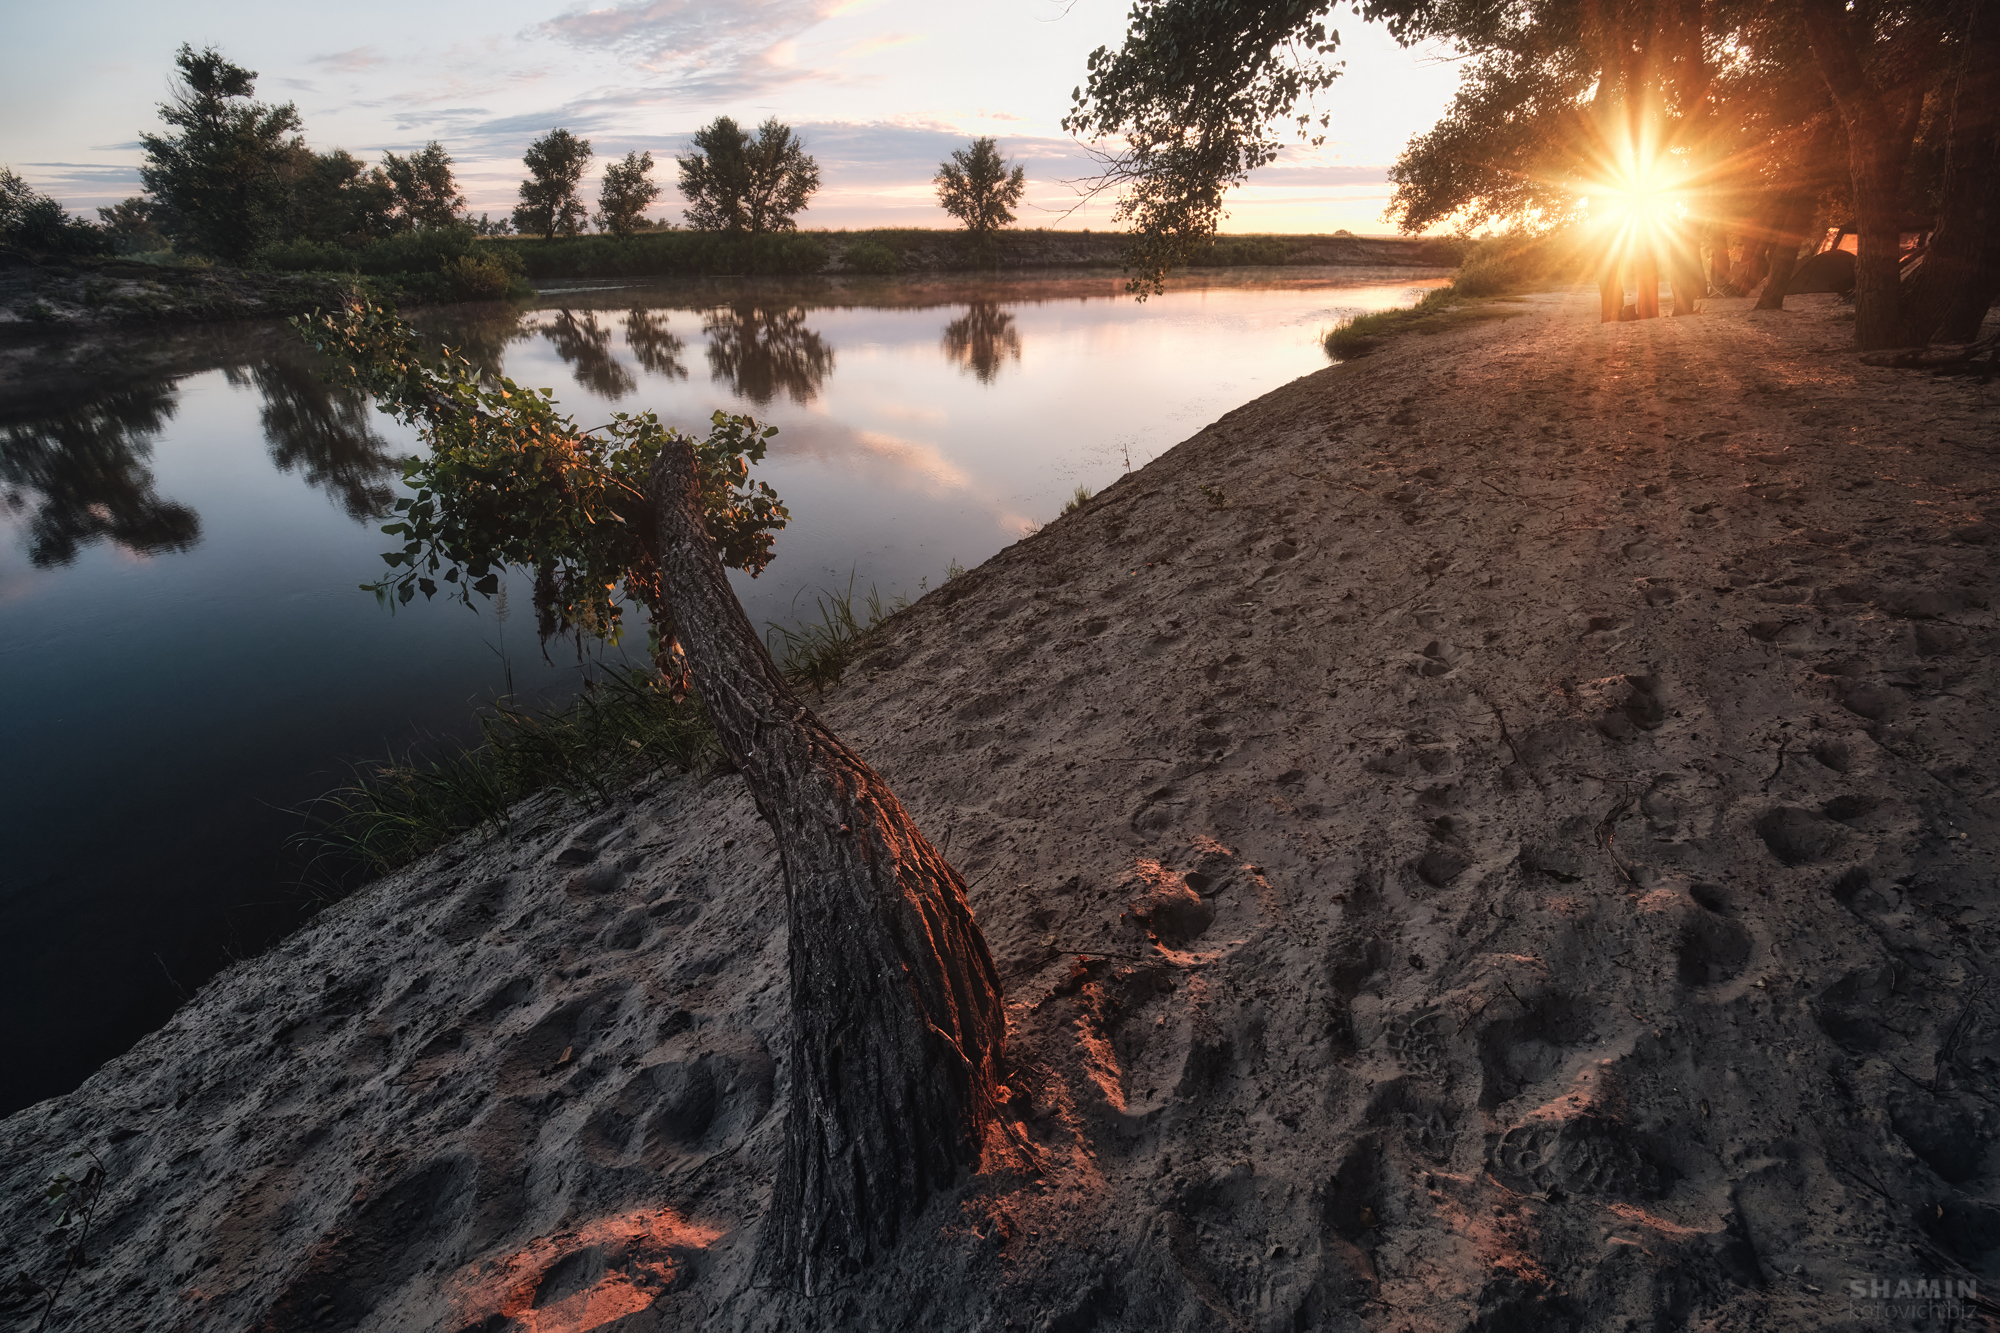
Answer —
1193 94
1609 106
510 480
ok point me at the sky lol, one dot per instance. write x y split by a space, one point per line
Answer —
880 90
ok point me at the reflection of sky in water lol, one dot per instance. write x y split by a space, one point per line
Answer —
185 653
913 437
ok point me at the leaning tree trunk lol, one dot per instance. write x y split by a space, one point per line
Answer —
897 1024
1789 219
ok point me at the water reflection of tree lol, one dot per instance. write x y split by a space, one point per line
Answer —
764 352
585 345
324 430
657 350
982 339
82 473
479 333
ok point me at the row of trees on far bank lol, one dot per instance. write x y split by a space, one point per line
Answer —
735 181
230 177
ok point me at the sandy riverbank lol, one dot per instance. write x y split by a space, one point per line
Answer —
1558 781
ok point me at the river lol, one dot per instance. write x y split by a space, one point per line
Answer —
187 659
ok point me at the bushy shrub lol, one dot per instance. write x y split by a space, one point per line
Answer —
433 264
303 256
33 221
670 253
871 257
1499 264
1235 251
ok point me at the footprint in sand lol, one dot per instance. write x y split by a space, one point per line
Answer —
1420 1042
1659 592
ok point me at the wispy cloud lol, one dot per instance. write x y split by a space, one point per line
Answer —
352 61
82 185
707 48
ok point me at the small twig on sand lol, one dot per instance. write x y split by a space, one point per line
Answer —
1607 838
1508 738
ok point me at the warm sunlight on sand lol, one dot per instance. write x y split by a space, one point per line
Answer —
585 1277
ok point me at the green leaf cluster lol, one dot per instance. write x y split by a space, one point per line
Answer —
511 480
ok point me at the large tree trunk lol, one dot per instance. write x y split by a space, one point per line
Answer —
1646 277
1968 310
1880 124
1878 279
897 1024
1962 257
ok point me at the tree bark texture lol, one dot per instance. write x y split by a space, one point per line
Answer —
1646 277
897 1023
1965 247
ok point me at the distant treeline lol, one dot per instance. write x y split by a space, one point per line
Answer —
915 249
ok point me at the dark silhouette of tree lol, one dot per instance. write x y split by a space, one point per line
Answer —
131 226
1191 98
1961 272
549 203
736 183
982 340
482 334
975 187
585 346
627 192
32 220
763 352
426 193
80 476
336 197
221 180
1877 61
324 431
656 349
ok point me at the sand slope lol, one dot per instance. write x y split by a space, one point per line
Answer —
1524 859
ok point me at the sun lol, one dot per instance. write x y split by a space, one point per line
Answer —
1636 203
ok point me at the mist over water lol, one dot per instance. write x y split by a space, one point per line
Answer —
184 521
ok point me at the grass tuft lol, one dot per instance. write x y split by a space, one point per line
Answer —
620 730
1489 268
1078 500
818 652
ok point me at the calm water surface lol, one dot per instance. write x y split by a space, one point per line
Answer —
186 658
